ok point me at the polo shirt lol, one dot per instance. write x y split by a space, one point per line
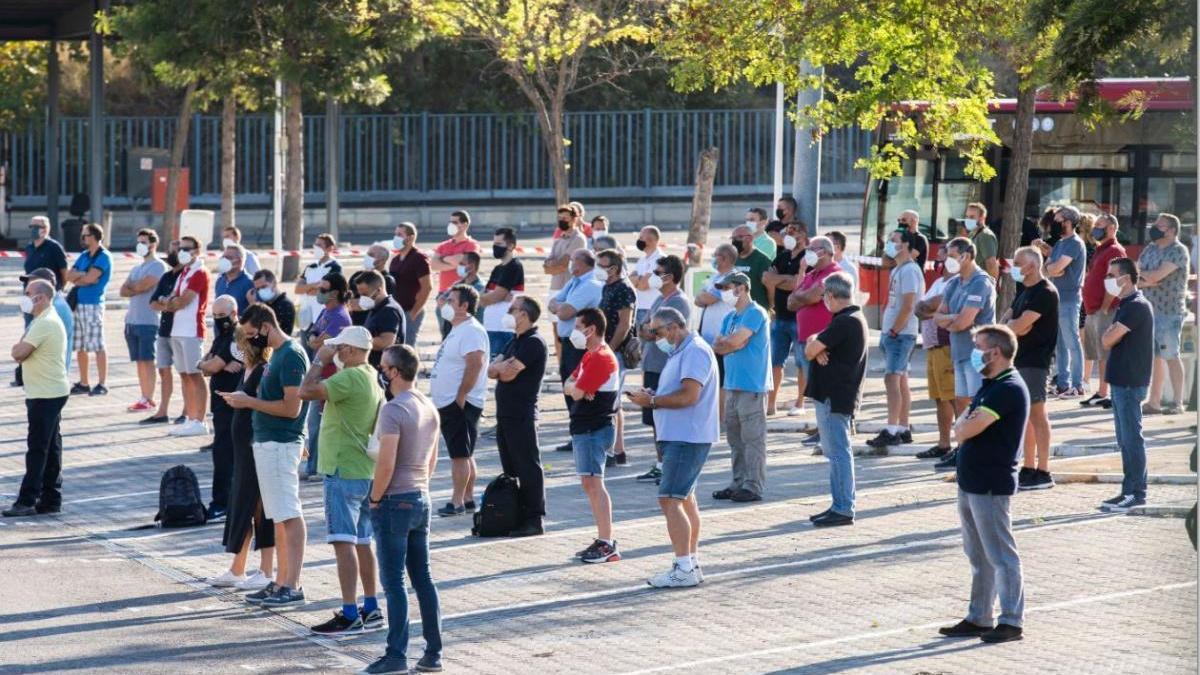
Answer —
447 278
1093 281
1035 348
510 275
238 288
1131 360
48 254
598 376
408 272
44 372
812 319
519 397
286 368
987 463
94 294
840 381
352 398
580 293
389 286
977 291
1071 280
385 317
693 359
749 368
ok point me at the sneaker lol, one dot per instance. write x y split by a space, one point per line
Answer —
795 411
385 666
674 578
255 581
948 463
80 388
884 439
1092 400
1024 476
622 459
565 447
43 508
258 596
284 598
832 518
1105 403
1172 409
699 573
935 452
429 664
819 515
653 474
190 428
1109 502
142 405
155 419
906 437
600 552
451 510
98 390
610 461
1069 393
1038 480
964 628
817 451
216 515
469 506
1126 502
1002 633
226 579
179 420
339 625
814 439
372 620
18 510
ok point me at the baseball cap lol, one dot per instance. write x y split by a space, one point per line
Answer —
355 336
43 273
738 278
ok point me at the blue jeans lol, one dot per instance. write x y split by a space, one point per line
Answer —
401 523
1127 418
1068 353
835 444
497 341
312 428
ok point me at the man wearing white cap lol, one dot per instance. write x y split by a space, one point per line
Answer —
352 398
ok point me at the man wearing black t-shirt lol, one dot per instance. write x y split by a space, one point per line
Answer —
780 280
162 343
506 282
375 259
1034 319
990 436
518 372
385 318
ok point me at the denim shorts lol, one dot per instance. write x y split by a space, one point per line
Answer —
967 380
347 512
783 338
897 352
140 340
681 465
1167 332
591 449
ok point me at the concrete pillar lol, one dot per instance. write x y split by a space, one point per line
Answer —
806 168
50 139
96 164
333 148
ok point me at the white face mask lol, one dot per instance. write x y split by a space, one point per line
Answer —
811 258
185 257
368 263
398 242
752 224
227 242
451 229
462 271
446 312
318 252
141 249
366 304
223 265
789 242
266 294
508 322
655 282
729 297
1111 286
26 304
970 223
337 361
952 265
578 339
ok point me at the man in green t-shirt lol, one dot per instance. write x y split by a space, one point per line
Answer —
987 246
352 398
751 262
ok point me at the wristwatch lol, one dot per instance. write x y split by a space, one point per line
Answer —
653 404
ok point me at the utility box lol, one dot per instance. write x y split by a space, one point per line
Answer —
140 164
158 192
197 223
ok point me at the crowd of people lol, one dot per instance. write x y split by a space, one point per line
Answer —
322 384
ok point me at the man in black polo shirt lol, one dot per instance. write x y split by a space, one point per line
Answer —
1034 319
43 251
990 436
385 318
518 372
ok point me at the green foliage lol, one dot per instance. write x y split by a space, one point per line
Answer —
22 83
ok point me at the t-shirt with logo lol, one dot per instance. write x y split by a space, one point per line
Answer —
749 368
139 313
987 463
1035 348
447 278
904 279
510 275
596 374
1169 296
451 364
189 319
979 291
286 368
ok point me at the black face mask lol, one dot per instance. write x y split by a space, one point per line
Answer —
779 214
172 259
641 244
739 245
258 341
1156 234
223 324
564 224
498 251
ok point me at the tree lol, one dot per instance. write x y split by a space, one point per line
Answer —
22 80
552 49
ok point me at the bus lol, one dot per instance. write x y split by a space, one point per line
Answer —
1133 169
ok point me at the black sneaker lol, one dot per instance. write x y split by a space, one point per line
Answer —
179 420
652 475
80 388
98 390
622 459
610 461
935 452
216 515
1105 403
964 628
284 598
451 510
386 666
1109 502
600 552
469 506
1038 480
1002 633
1126 502
257 597
18 510
372 620
884 439
1024 476
1091 400
815 439
906 437
819 515
565 447
429 664
832 518
155 419
43 508
948 463
338 625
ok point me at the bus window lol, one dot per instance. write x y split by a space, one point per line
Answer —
887 199
1173 194
952 200
1097 194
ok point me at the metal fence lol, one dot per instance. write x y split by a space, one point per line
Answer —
439 157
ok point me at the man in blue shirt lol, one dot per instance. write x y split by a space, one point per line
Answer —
1064 267
581 291
232 278
90 275
743 343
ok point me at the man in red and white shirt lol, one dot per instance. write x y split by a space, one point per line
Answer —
189 302
447 259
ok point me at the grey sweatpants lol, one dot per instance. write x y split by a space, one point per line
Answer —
746 431
995 565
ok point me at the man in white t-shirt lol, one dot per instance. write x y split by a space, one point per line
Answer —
839 257
647 243
457 386
189 302
898 335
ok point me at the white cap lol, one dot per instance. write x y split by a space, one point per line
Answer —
355 336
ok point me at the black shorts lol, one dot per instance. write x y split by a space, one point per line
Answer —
460 429
721 369
649 381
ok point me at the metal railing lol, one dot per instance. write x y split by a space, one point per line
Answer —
446 157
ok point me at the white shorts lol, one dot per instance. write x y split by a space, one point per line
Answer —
185 352
278 468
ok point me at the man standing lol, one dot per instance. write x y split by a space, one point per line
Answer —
668 271
780 280
163 357
448 255
518 373
1064 267
899 336
989 438
352 399
848 266
375 259
593 388
141 322
42 251
41 353
812 316
617 301
969 301
785 210
309 283
266 291
90 275
188 302
1164 273
939 367
757 218
647 243
232 236
458 385
385 318
232 278
751 262
743 343
581 292
507 280
838 359
1033 318
986 244
909 221
223 366
685 411
278 420
1098 304
1130 341
410 268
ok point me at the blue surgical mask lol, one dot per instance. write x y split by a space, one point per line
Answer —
890 249
1098 233
665 345
1016 273
977 360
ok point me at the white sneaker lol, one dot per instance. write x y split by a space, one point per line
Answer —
192 428
676 578
699 574
795 411
226 579
255 581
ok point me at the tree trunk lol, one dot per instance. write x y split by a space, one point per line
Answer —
706 172
178 146
228 155
293 190
1017 186
556 154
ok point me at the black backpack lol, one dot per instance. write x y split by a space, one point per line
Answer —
500 511
179 501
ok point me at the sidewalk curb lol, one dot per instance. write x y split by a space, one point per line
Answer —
1160 511
1081 449
1154 479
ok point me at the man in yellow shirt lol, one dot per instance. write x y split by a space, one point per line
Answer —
41 355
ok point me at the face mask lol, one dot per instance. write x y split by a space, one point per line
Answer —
368 263
779 214
564 224
26 304
446 312
664 345
655 282
751 224
185 257
508 322
141 249
601 274
223 324
970 223
223 265
828 307
729 297
451 229
714 264
227 242
366 304
398 242
35 233
266 294
811 258
641 244
337 361
1156 234
578 339
258 341
324 296
318 252
498 251
952 265
890 248
172 259
462 271
1016 273
1098 233
1112 287
977 361
789 242
738 245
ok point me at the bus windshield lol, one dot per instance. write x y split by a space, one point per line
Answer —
914 190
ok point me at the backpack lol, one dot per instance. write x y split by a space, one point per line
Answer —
499 512
179 502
